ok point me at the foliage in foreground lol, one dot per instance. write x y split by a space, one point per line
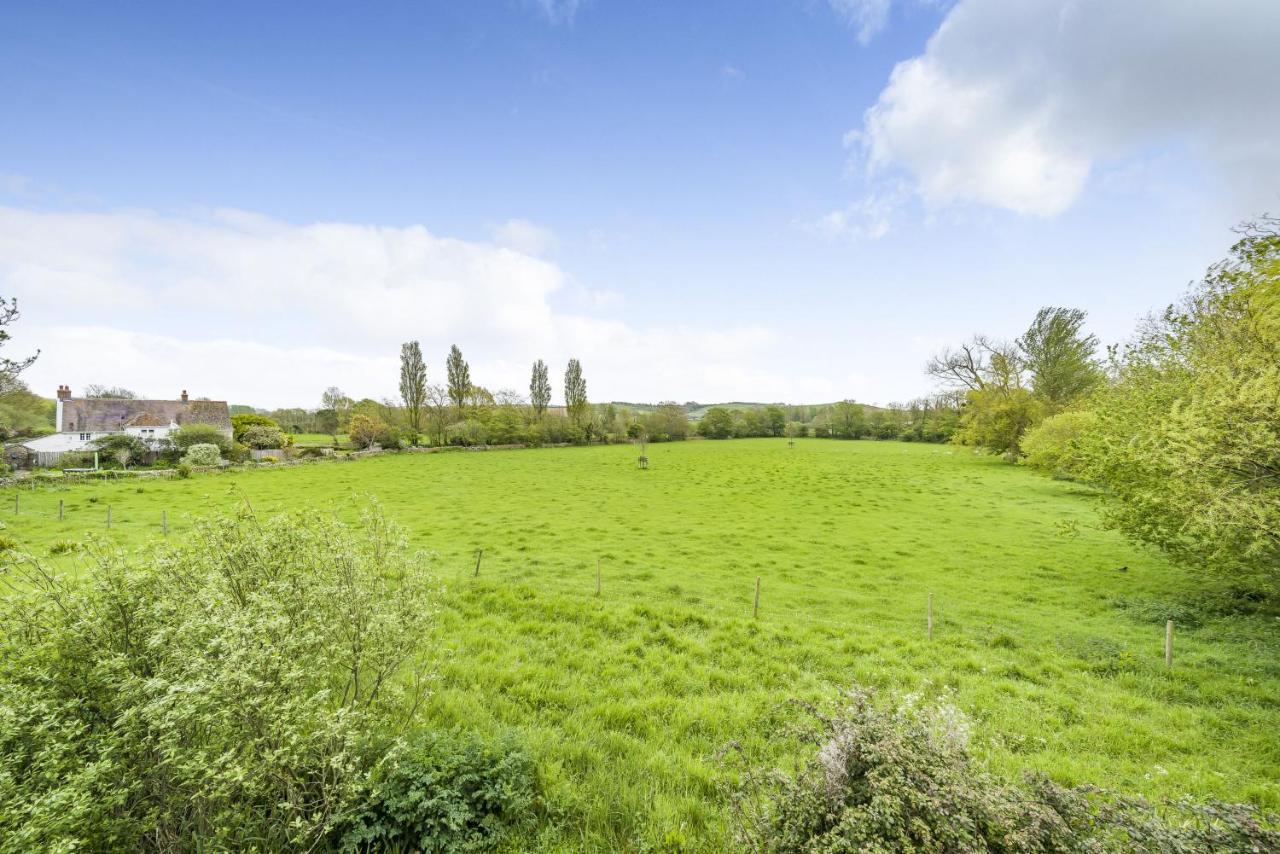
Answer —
244 691
1187 436
901 779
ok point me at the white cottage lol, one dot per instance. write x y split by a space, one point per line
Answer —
80 420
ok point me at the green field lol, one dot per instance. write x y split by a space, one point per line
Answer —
625 699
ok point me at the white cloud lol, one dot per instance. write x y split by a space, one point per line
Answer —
1015 102
239 306
867 17
524 236
559 11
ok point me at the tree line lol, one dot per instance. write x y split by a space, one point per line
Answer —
1179 426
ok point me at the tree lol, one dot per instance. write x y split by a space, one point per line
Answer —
1060 357
1187 440
848 420
438 406
24 413
240 424
716 423
413 386
459 379
262 437
539 389
366 430
334 400
11 368
575 392
775 420
121 447
109 391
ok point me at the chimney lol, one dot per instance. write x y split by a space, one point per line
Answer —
184 395
64 392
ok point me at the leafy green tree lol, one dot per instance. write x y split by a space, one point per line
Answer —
575 392
413 386
539 389
1187 440
995 418
121 447
459 373
23 413
335 400
774 420
263 437
240 424
366 430
848 420
1060 357
716 423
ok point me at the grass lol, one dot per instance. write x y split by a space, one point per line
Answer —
625 699
317 440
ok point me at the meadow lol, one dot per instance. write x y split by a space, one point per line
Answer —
1048 629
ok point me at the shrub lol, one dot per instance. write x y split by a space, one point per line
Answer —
231 693
242 424
184 470
202 455
7 543
269 460
901 779
1051 446
443 793
200 434
469 432
366 431
263 437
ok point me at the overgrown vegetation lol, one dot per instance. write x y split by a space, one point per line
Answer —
247 690
901 778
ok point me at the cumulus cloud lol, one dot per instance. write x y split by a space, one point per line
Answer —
1014 103
866 17
524 236
233 304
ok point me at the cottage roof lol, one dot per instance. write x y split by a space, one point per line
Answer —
110 415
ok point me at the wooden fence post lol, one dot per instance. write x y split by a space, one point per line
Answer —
61 510
479 557
755 612
929 617
1168 643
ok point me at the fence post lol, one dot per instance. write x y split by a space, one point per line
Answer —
479 557
61 510
1168 643
929 617
755 612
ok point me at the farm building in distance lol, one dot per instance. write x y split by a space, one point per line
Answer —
81 420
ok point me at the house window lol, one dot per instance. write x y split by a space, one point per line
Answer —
84 437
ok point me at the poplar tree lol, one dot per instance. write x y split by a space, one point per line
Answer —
413 385
540 389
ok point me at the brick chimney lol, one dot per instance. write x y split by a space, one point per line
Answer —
184 395
64 392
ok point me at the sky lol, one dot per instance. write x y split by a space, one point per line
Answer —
795 200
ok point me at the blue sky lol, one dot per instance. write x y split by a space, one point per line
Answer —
699 200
